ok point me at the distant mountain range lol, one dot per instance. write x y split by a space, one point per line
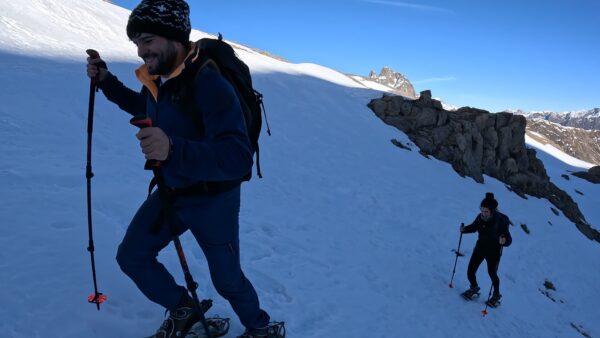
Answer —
575 133
584 119
577 142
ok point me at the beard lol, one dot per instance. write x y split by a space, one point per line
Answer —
163 62
486 218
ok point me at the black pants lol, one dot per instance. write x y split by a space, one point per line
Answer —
492 257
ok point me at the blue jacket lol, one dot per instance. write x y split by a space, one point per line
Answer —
220 152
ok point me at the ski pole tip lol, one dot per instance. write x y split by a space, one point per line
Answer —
98 298
450 286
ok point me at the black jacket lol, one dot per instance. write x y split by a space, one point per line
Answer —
491 230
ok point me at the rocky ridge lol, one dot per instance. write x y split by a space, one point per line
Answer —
476 142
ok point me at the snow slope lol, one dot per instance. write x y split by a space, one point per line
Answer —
557 153
345 236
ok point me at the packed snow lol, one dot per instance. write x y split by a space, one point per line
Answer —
345 236
557 153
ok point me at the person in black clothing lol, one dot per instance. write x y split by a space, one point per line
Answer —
492 226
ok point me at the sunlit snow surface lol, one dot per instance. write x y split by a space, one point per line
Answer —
345 236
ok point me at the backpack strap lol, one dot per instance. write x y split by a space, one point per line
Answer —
184 96
207 62
500 218
249 101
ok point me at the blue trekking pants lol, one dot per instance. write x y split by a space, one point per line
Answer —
214 222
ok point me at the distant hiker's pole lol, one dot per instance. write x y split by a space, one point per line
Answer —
142 121
96 298
456 259
484 311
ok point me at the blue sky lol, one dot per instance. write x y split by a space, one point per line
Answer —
531 55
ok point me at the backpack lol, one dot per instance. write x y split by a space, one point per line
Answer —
221 56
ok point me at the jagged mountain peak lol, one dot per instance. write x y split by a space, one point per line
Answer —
393 79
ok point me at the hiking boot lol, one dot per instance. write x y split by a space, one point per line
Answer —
473 291
273 330
494 300
179 322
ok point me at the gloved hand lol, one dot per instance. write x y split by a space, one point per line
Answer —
96 66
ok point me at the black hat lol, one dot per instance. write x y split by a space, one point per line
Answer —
489 202
167 18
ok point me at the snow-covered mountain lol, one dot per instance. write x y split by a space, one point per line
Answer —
579 143
584 119
345 236
575 133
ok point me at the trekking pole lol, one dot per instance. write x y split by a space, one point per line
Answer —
96 298
154 165
484 311
456 259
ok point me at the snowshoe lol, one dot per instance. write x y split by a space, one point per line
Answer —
217 327
471 293
181 320
273 330
494 301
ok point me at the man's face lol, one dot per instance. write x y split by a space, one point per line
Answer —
158 53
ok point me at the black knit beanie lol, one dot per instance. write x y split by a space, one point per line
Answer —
167 18
489 202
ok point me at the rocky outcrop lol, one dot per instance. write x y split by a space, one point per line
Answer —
592 175
475 143
395 80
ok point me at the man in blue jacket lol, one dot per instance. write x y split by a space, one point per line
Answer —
216 158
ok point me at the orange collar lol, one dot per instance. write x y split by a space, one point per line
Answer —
149 80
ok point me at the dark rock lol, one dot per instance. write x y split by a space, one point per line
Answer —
478 143
592 175
400 145
549 285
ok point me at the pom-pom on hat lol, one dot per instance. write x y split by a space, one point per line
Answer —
489 202
167 18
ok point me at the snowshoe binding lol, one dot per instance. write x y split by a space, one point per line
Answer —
494 301
184 318
471 293
273 330
217 327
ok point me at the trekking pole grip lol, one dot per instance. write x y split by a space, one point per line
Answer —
143 121
93 54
